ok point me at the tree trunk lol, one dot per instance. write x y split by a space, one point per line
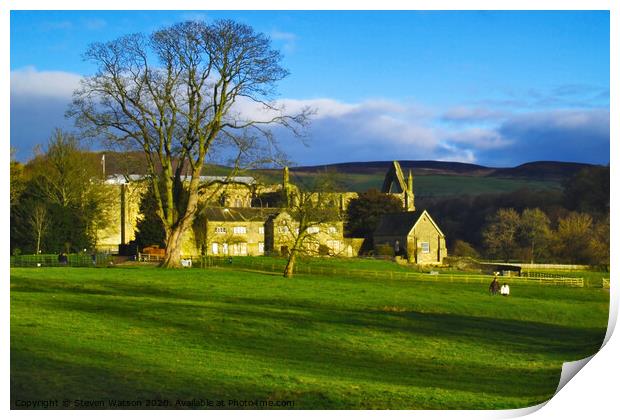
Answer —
174 240
38 242
290 264
172 257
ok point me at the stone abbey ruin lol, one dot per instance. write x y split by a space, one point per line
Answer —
237 218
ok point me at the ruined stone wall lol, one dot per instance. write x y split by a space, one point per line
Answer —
231 195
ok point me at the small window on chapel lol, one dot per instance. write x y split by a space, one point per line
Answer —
425 247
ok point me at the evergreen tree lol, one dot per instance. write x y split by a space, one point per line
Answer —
364 212
149 229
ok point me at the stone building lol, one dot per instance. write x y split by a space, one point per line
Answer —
324 237
413 235
124 211
224 191
238 217
231 231
229 192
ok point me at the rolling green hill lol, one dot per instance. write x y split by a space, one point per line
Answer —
431 178
435 178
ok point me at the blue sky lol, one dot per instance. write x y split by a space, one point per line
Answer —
494 88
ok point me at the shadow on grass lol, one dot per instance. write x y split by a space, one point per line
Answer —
99 376
302 337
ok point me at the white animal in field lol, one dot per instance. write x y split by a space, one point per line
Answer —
186 263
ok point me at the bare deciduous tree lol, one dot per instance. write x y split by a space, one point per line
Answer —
535 232
500 234
176 96
67 178
17 179
573 237
62 172
38 221
310 211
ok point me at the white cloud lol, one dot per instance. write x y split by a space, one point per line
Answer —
478 138
53 84
573 135
56 25
282 36
197 16
288 40
375 129
94 24
564 119
452 153
38 103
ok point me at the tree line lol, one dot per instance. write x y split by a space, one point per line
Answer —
58 199
568 225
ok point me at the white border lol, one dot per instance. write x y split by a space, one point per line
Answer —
592 394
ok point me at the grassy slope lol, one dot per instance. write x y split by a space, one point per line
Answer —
437 185
323 342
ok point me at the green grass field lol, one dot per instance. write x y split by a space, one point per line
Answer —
438 184
218 334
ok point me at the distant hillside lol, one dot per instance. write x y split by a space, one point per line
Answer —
431 178
435 178
542 170
419 167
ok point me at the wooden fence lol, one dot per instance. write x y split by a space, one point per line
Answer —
151 257
381 274
82 260
525 266
51 260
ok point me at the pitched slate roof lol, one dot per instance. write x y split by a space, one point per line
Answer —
205 179
400 224
315 215
208 179
239 214
397 224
